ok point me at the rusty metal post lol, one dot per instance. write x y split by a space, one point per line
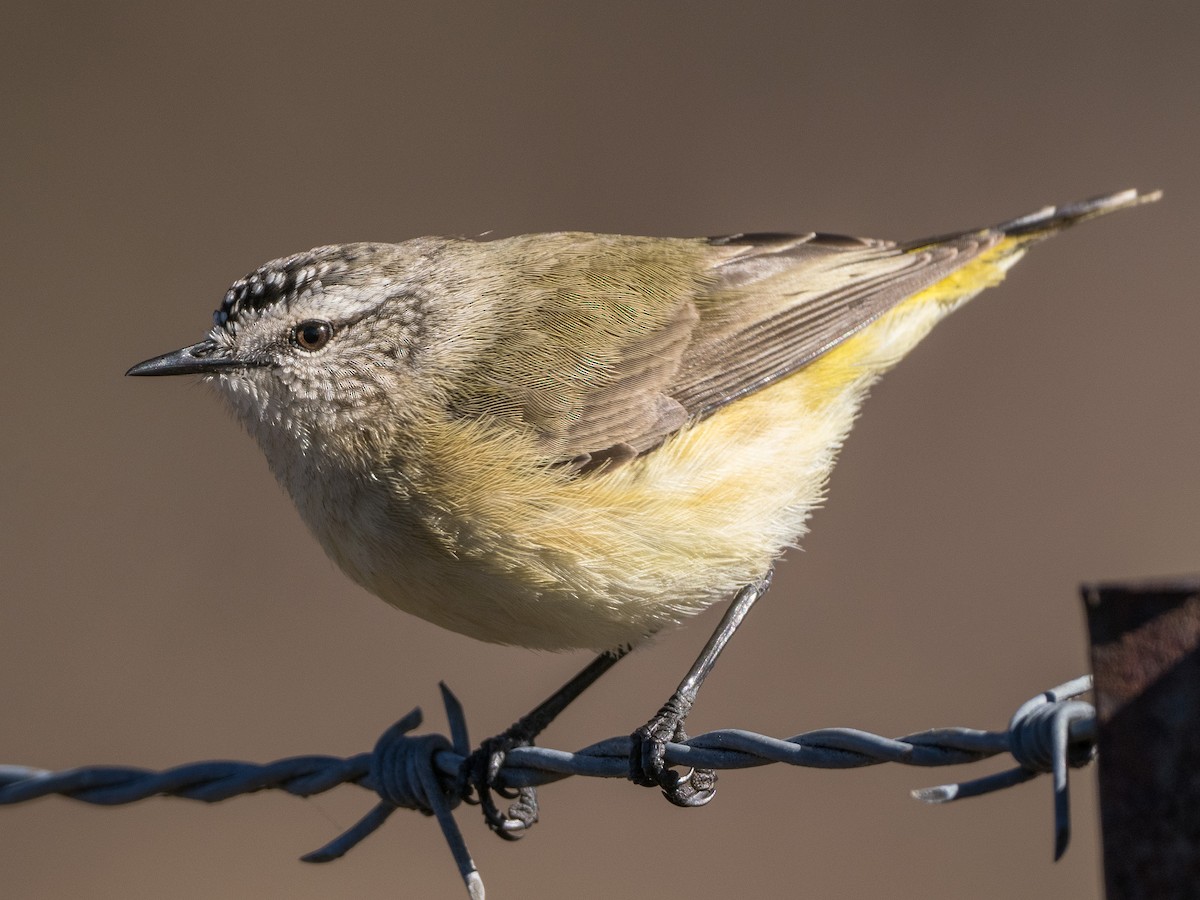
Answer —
1146 661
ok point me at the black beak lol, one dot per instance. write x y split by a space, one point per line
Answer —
197 359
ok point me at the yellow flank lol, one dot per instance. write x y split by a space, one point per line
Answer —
843 363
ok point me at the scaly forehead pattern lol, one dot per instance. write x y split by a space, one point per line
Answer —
281 281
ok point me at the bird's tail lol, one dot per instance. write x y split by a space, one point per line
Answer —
991 252
1053 218
1013 236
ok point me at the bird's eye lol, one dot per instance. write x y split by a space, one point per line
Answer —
312 335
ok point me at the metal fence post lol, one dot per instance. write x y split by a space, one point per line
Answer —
1146 661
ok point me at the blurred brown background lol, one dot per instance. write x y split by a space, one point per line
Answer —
162 602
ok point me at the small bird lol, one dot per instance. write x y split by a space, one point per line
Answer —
578 440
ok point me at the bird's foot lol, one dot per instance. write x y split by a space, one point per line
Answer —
647 758
478 783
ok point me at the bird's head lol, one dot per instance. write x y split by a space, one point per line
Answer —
320 348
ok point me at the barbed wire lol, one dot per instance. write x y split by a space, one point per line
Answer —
1049 733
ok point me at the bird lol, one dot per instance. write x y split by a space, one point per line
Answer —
573 440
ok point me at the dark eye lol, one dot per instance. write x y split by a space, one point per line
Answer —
312 335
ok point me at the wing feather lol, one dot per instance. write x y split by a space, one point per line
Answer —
626 340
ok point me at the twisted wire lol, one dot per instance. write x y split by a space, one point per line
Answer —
1048 734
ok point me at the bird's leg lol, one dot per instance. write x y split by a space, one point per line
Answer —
479 771
647 762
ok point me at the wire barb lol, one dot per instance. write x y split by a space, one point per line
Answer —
1050 733
1047 733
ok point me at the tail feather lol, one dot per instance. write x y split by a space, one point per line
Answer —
1052 218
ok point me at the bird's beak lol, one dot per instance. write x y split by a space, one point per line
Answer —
197 359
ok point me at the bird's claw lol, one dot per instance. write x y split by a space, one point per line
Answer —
648 765
477 783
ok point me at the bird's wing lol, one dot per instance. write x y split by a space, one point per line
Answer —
617 342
